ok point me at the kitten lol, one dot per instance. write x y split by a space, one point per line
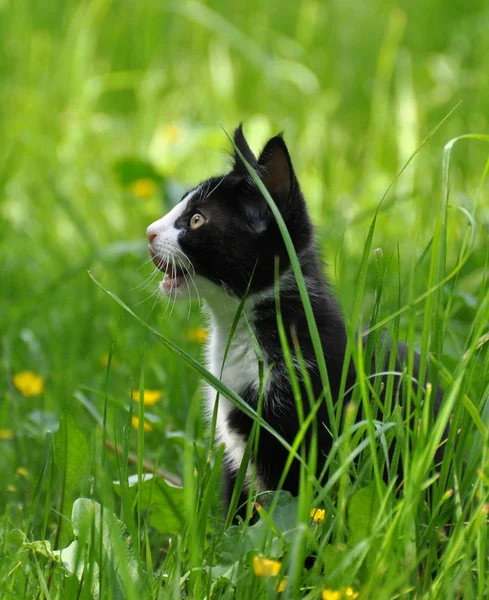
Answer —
221 242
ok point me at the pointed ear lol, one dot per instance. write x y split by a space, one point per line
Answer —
276 169
242 145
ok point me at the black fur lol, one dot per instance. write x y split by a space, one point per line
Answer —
241 234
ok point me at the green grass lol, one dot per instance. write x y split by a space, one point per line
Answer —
96 96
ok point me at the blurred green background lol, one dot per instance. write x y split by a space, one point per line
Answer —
108 109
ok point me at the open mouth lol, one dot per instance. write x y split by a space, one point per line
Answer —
174 274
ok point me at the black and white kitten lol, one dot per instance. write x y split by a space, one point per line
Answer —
222 238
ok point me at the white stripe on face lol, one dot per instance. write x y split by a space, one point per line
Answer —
165 227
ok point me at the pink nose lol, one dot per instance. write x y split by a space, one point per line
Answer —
151 236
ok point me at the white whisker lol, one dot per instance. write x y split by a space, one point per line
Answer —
153 307
148 260
147 282
189 298
215 187
174 291
156 293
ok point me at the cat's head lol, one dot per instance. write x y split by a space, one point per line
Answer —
222 234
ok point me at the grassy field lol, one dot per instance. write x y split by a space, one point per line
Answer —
108 110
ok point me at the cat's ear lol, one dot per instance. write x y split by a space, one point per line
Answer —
276 170
242 145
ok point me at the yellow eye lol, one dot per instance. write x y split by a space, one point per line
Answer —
196 221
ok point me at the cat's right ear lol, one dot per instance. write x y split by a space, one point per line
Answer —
277 173
239 167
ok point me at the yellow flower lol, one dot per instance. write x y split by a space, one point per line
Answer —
146 427
150 396
199 334
11 488
22 472
143 188
264 567
281 584
28 383
347 593
171 133
317 515
331 595
6 434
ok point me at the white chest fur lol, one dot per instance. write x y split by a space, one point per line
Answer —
238 370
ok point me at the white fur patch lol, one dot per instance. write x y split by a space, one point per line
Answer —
239 371
165 245
164 228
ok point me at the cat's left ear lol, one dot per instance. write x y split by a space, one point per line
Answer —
240 141
276 171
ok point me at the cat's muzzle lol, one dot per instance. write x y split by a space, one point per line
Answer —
172 270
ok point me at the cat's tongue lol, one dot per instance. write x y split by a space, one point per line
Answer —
173 274
171 283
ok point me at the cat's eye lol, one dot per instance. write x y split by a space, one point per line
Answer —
197 221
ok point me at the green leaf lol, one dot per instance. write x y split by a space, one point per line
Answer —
285 514
42 547
363 513
71 459
225 575
337 565
272 533
103 538
164 501
240 540
100 529
71 559
16 537
363 521
68 558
